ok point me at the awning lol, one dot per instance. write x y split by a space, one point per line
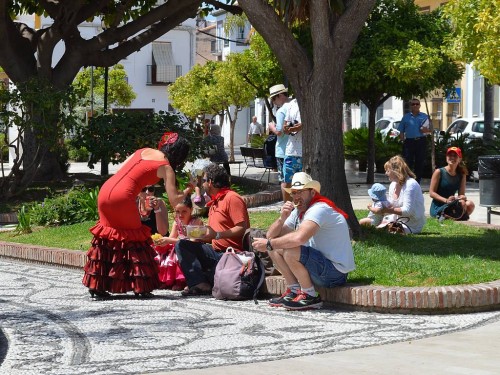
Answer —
163 58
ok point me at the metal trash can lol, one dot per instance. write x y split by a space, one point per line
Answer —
489 180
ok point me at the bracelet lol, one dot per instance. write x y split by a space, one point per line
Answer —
158 210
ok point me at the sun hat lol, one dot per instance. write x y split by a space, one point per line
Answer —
277 89
377 192
456 150
301 181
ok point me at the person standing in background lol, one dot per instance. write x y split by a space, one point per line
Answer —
413 128
278 95
255 129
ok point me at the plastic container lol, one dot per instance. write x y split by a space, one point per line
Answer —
196 231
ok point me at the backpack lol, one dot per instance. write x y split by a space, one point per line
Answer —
270 151
238 276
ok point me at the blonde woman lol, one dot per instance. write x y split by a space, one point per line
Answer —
405 196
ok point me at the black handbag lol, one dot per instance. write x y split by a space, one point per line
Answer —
454 210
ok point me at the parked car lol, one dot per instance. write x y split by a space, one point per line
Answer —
388 125
472 127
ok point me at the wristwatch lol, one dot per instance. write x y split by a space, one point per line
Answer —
269 246
218 236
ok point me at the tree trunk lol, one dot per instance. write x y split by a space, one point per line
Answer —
489 98
323 147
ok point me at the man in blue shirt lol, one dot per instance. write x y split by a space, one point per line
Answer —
278 95
413 128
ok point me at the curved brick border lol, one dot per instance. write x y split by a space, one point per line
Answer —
442 300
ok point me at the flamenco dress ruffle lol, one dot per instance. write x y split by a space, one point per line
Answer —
121 260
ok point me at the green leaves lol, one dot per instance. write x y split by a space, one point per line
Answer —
476 34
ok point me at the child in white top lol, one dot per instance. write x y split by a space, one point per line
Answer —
378 195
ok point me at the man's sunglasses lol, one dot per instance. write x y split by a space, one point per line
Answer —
151 189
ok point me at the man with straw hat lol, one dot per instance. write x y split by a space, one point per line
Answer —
310 245
278 96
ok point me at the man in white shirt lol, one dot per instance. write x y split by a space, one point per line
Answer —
310 245
255 129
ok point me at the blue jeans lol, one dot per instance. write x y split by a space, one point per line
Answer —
321 270
198 261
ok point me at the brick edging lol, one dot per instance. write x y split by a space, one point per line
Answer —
441 300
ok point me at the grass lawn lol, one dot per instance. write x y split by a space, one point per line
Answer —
444 254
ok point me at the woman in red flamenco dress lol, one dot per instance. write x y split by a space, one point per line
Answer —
121 257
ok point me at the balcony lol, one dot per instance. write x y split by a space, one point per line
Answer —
163 74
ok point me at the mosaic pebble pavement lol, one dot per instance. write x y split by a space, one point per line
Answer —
49 325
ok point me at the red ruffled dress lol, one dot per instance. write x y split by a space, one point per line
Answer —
121 257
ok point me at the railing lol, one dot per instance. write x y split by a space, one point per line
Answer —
163 75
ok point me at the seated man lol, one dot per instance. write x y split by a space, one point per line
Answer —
227 222
309 243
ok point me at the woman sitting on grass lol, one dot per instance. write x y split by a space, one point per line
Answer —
447 181
405 196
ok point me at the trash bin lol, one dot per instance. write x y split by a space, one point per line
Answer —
489 180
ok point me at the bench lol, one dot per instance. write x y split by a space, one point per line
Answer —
254 157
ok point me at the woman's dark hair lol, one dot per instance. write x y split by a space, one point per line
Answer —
217 175
176 152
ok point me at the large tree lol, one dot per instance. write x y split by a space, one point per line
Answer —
398 53
476 40
317 77
28 54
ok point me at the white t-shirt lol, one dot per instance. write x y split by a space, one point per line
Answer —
411 202
332 238
294 144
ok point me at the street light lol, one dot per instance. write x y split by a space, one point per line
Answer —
104 161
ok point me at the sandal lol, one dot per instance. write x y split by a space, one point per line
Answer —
196 291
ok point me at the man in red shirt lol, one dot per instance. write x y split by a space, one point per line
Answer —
227 222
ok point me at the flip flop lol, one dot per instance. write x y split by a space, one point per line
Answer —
196 291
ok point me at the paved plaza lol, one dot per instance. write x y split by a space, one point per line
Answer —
52 326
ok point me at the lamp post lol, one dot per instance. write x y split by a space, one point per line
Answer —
104 160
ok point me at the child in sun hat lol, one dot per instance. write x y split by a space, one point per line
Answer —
378 195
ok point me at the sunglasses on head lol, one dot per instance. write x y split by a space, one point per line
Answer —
151 189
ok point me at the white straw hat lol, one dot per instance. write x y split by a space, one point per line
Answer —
301 181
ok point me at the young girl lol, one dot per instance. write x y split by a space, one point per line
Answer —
170 273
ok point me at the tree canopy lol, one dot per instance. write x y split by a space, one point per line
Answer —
476 34
120 92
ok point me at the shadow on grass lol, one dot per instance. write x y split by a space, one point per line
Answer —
444 241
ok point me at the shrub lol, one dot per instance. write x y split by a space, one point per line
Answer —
78 154
4 148
78 205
